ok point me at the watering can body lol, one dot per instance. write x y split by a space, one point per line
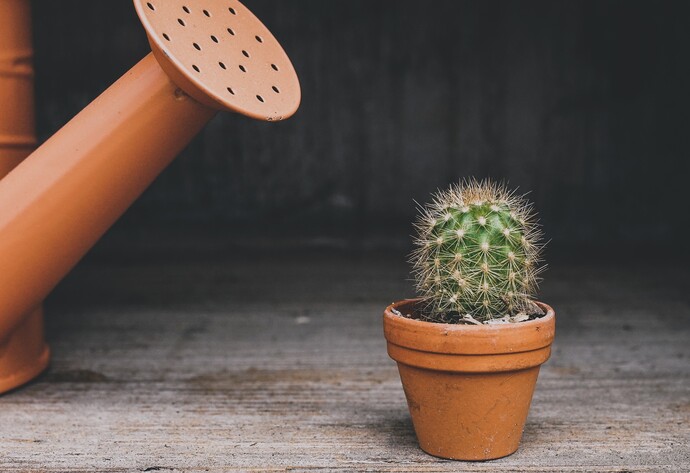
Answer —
23 351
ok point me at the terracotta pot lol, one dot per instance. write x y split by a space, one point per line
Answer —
468 387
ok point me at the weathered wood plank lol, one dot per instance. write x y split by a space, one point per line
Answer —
277 362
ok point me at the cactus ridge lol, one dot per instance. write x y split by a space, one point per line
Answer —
477 252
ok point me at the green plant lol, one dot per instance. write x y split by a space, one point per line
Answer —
477 254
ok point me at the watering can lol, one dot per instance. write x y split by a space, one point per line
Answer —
207 55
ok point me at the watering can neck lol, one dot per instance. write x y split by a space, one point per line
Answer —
57 203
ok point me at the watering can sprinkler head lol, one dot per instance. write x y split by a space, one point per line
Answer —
207 55
220 54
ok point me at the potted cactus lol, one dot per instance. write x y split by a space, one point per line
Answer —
470 346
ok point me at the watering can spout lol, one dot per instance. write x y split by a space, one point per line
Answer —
58 202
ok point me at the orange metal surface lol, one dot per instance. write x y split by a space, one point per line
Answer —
17 134
59 201
222 55
468 387
23 353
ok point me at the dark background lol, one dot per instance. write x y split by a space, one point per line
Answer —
583 103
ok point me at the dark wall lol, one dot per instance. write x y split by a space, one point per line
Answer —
585 103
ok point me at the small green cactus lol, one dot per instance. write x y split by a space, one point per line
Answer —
477 254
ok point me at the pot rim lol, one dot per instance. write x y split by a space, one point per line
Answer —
463 339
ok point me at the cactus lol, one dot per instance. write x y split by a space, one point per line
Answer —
477 254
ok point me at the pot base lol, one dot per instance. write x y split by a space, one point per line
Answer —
469 416
25 354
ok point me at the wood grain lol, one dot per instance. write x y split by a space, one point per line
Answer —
274 360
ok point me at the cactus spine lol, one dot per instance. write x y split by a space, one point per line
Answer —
477 253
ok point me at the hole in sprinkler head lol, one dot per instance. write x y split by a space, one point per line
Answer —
231 31
246 54
197 47
196 68
260 98
275 89
214 39
274 67
207 13
186 10
222 65
181 21
259 38
242 68
167 38
150 5
231 91
232 10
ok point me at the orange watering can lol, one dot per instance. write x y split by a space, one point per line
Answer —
207 55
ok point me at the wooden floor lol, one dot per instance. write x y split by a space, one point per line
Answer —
274 360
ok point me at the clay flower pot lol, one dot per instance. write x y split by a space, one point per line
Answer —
468 387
